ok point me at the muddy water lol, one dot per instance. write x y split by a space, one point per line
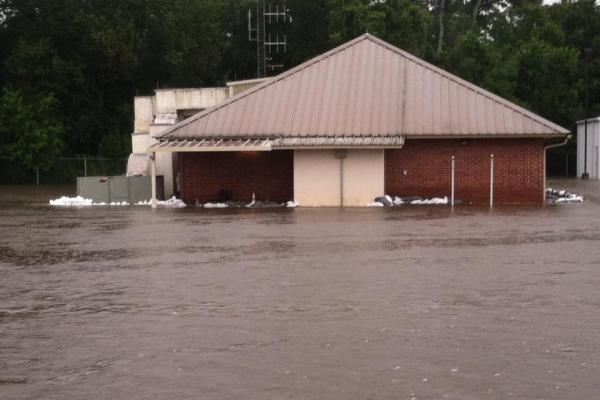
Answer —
417 302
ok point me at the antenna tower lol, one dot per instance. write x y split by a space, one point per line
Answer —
260 24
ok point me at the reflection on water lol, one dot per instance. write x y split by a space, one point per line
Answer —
414 302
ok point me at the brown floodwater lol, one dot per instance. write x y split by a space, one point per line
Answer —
416 302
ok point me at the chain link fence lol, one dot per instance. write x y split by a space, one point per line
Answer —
562 162
64 170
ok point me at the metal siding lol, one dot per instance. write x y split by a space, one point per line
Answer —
327 97
292 125
440 116
499 120
379 115
427 112
364 87
314 123
509 120
407 103
472 113
279 109
453 107
362 123
349 87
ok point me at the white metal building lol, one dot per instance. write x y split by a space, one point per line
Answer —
593 148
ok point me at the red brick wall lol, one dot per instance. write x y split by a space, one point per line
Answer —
270 174
518 169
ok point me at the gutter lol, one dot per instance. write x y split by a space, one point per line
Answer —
551 146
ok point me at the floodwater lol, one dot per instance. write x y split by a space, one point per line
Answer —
409 303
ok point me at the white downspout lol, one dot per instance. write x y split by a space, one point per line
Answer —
341 155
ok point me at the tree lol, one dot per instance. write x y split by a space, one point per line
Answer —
31 131
351 18
407 25
86 59
548 81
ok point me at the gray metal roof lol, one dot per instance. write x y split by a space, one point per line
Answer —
365 87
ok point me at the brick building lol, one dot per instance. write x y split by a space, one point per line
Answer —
361 120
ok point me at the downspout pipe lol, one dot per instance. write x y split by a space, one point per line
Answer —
341 154
551 146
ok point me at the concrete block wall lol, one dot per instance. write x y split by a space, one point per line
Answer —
423 168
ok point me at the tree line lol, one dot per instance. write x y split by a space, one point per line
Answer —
69 68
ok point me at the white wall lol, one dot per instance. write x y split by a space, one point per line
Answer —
363 177
236 87
317 177
593 148
143 108
140 142
164 161
171 100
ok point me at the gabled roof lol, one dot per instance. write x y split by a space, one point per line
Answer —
365 87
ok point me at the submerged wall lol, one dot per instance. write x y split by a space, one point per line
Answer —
355 177
320 176
423 168
210 176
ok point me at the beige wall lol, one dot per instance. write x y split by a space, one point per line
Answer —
140 142
236 87
143 114
363 177
164 161
317 177
171 100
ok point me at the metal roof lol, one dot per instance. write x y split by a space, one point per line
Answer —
365 87
267 144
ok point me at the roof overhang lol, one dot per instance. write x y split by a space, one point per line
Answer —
465 136
277 143
211 145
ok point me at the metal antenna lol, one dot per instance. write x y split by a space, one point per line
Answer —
257 32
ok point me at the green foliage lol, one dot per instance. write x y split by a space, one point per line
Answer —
31 130
407 25
195 41
548 79
351 18
69 69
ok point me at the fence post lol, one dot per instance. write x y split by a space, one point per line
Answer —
37 177
491 180
452 184
85 167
